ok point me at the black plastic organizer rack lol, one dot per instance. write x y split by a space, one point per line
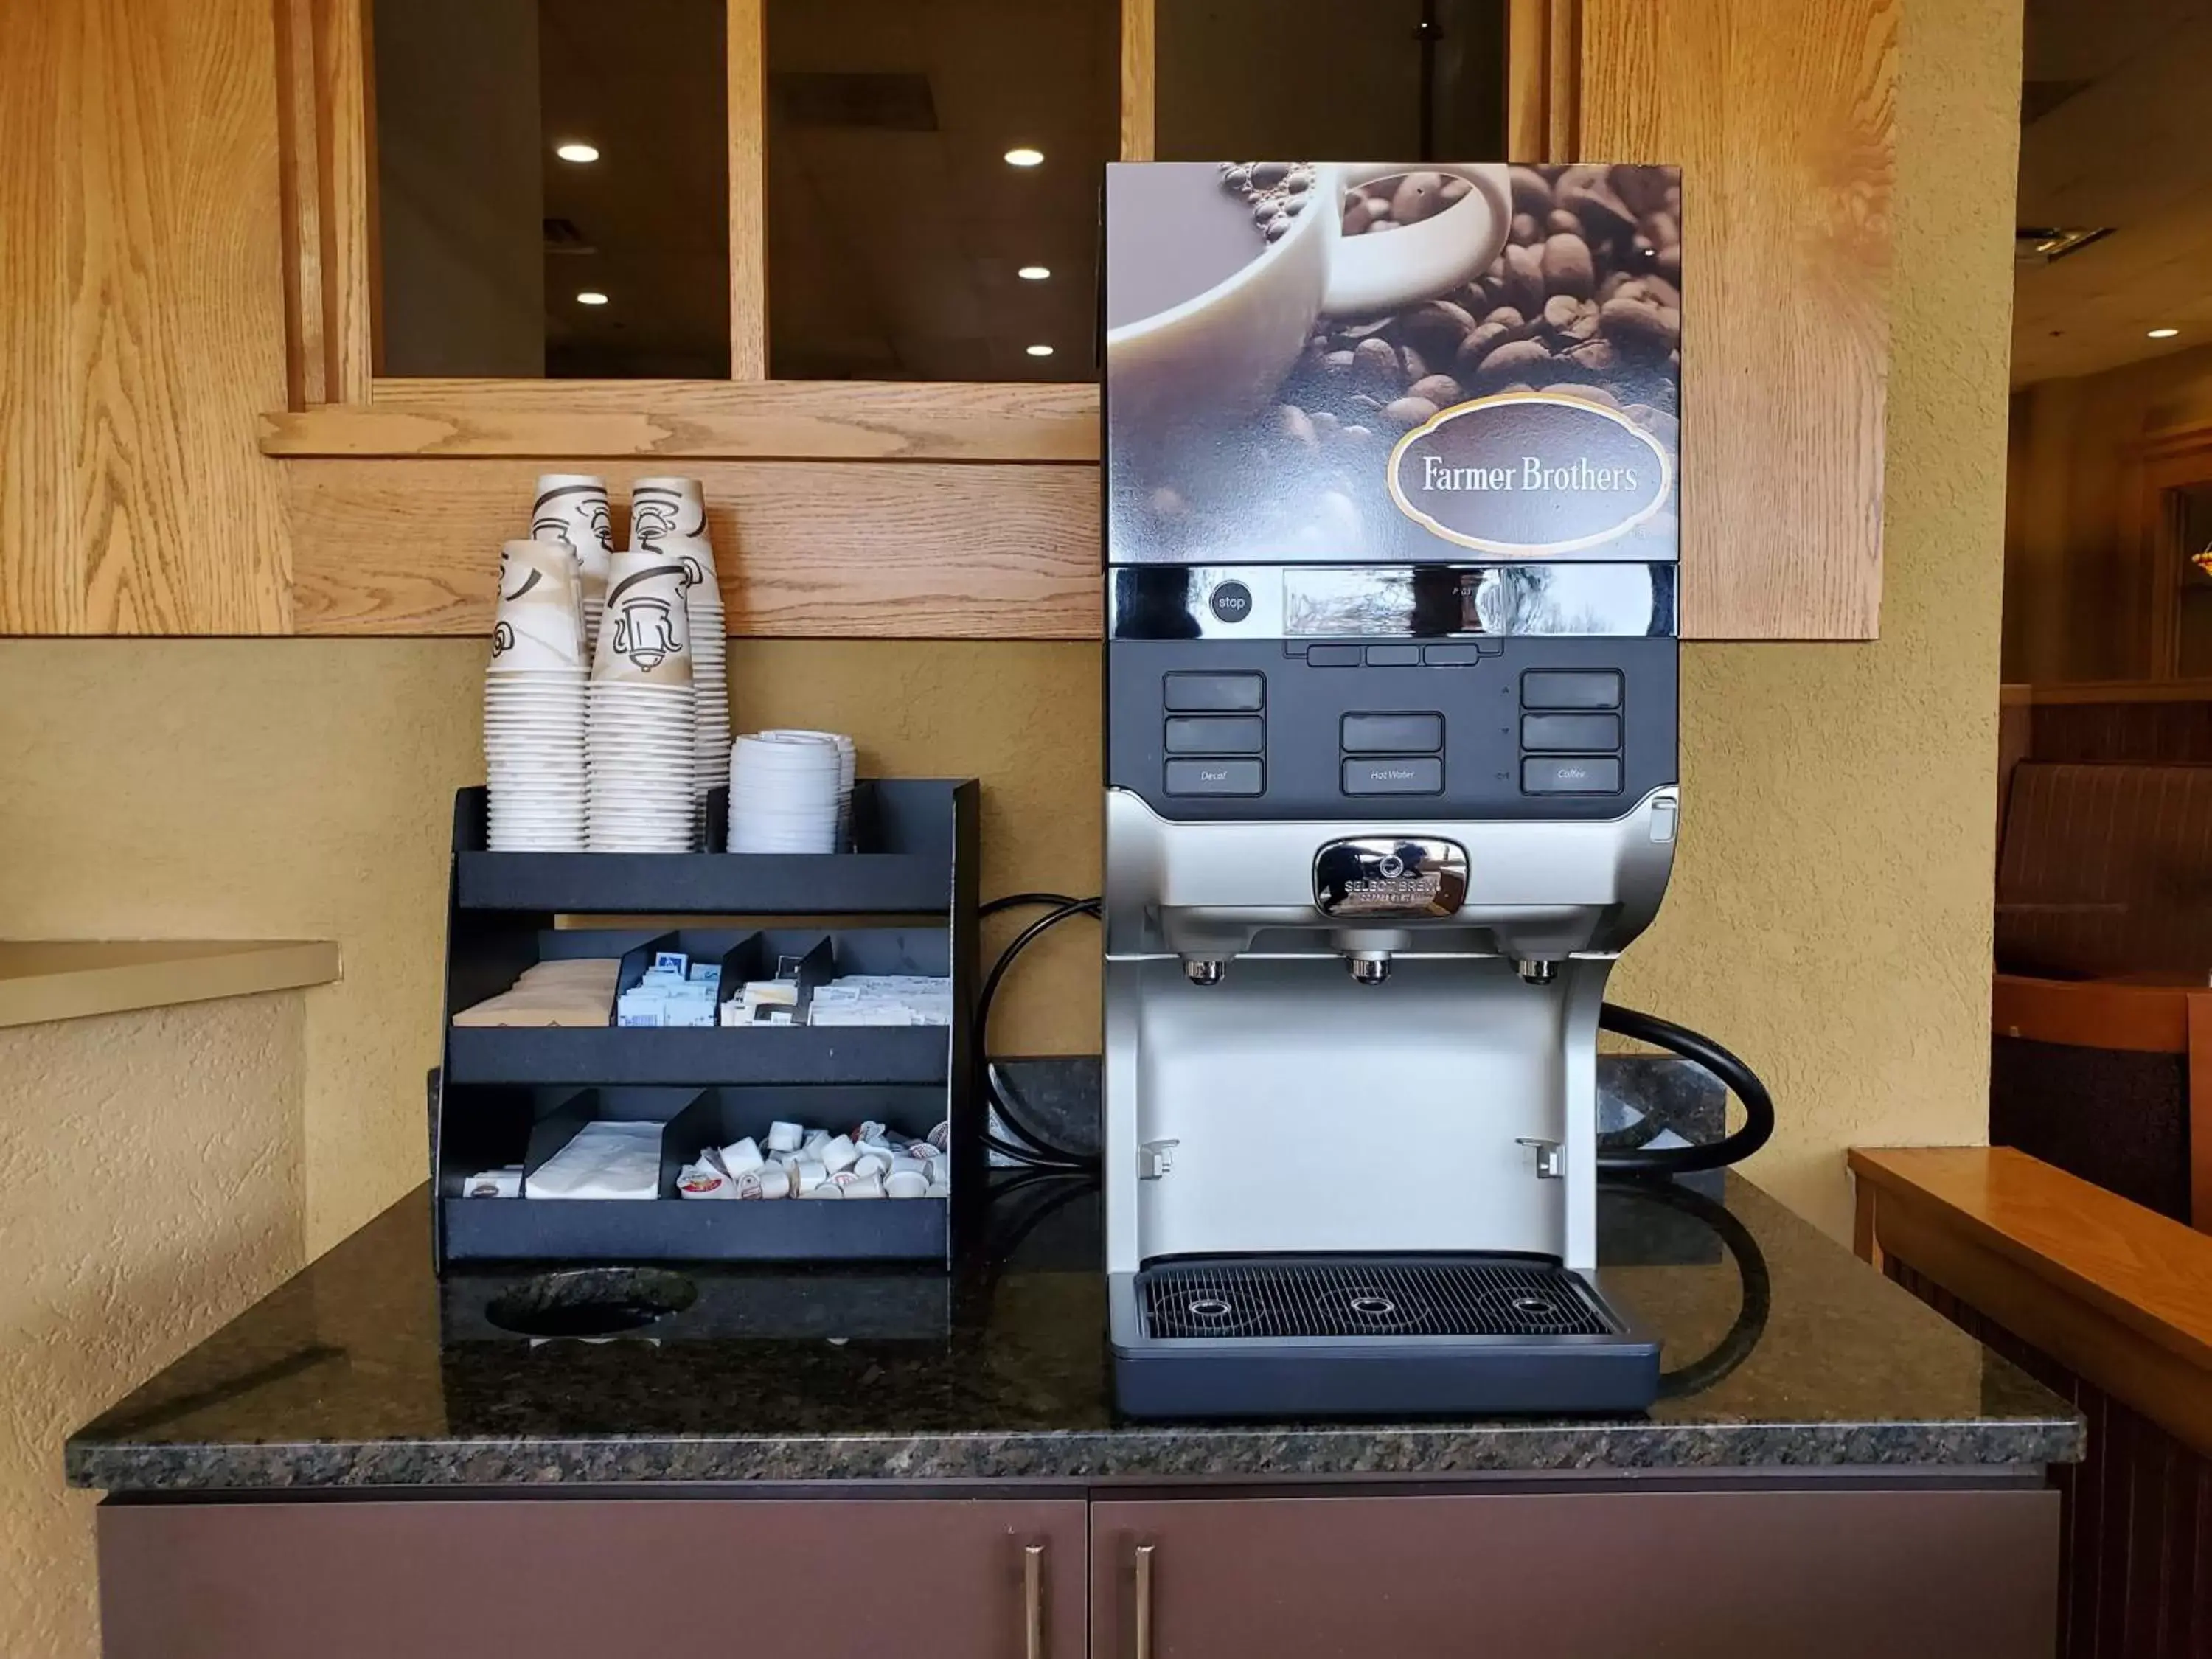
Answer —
516 1094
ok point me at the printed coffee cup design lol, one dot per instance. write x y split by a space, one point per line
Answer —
665 507
572 509
1530 473
538 624
1222 353
645 639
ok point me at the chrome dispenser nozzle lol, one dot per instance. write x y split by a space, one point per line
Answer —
1368 967
1204 971
1535 971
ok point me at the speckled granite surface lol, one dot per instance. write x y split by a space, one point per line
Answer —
364 1372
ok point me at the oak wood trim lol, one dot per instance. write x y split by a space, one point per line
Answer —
1543 70
1865 1228
2130 1267
836 550
345 141
2104 1350
799 420
748 121
1562 130
300 181
1139 81
2200 1110
2152 1019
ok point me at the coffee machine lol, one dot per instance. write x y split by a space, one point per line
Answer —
1390 770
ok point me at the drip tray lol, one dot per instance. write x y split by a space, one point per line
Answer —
1321 1336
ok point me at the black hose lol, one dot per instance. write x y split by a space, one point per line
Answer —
1037 1150
1695 1046
1758 1291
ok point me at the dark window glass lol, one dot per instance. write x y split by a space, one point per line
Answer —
486 236
1331 79
896 229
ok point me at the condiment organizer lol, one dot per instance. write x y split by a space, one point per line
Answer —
514 1094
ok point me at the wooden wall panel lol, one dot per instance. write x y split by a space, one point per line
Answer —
821 548
1782 114
142 318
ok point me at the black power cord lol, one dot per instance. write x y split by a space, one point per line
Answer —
1695 1046
1037 1150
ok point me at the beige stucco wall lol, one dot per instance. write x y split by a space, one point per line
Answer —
151 1164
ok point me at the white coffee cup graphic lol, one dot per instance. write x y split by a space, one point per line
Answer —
1222 353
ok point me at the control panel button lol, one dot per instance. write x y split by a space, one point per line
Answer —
1213 777
1393 734
1417 774
1558 687
1214 693
1233 734
1393 656
1570 775
1333 656
1451 656
1599 732
1230 601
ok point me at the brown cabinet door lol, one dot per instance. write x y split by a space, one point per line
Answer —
557 1578
1808 1575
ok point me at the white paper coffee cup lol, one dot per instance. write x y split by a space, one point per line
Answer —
645 637
665 507
539 623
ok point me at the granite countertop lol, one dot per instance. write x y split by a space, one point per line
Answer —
364 1370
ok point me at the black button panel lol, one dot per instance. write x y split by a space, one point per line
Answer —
1552 688
1393 734
1333 656
1393 656
1213 777
1411 774
1584 734
1571 775
1453 656
1221 734
1213 694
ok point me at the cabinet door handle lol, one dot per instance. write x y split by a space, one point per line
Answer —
1033 1601
1144 1602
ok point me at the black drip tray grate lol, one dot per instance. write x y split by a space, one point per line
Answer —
1356 1296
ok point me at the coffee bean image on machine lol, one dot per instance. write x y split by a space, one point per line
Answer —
1585 298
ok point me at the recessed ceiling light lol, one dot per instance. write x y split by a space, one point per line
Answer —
1024 157
2164 333
578 153
1040 351
591 296
1034 273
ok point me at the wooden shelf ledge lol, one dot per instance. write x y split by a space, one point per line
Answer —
698 420
2117 1293
45 980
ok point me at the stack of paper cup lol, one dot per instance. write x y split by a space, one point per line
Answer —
534 703
783 794
665 507
572 509
847 762
710 668
639 731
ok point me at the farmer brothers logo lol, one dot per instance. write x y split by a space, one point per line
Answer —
1530 473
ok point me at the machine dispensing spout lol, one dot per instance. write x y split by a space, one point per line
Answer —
1368 967
1536 972
1204 971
